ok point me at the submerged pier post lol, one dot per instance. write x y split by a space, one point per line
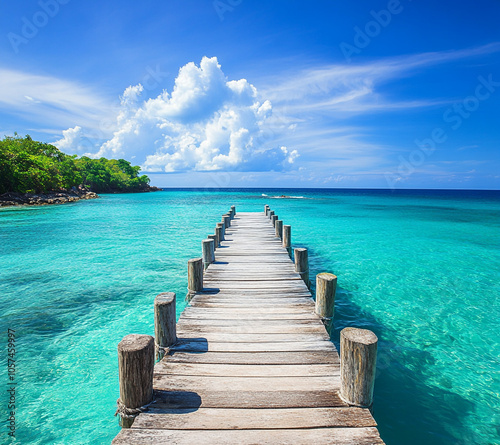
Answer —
208 249
302 264
287 238
195 276
165 329
279 228
136 359
326 285
358 357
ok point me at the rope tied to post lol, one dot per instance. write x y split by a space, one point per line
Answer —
161 350
127 412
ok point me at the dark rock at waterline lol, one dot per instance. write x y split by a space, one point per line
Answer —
59 197
152 188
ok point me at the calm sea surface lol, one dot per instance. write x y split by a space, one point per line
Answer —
419 268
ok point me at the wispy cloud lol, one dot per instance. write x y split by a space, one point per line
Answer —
467 147
354 88
52 101
327 100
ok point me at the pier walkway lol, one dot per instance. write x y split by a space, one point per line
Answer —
253 363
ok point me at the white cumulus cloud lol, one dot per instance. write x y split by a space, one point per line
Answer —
206 123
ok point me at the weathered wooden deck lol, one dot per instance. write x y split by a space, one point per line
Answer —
254 363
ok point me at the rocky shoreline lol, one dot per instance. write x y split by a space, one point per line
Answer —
60 197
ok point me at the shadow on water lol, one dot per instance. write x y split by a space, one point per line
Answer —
62 308
406 408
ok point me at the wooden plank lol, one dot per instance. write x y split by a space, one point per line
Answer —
271 384
278 310
262 322
199 346
258 303
255 358
249 317
276 329
249 337
223 369
246 399
257 285
316 436
248 418
262 297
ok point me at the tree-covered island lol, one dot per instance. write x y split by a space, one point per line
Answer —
34 172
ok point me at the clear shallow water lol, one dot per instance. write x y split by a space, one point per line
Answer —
421 269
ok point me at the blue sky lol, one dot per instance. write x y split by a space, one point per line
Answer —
241 93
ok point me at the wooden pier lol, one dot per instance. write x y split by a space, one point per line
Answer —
252 362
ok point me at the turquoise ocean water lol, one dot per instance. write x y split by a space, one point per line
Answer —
419 268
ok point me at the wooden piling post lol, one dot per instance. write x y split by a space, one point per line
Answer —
302 264
266 209
226 219
220 233
208 252
217 239
136 359
195 275
274 218
233 211
213 237
287 238
279 228
165 329
358 357
326 285
270 214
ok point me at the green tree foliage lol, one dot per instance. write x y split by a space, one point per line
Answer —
28 166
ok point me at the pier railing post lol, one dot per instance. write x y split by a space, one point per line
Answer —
287 238
358 357
220 233
274 218
208 251
136 359
326 285
165 329
302 264
213 237
195 276
279 228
